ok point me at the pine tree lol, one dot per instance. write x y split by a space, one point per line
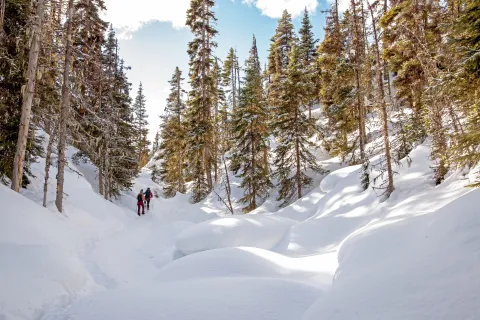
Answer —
173 137
282 43
156 144
412 43
28 97
251 134
307 47
201 20
337 88
64 108
293 156
382 105
14 51
465 47
141 126
230 78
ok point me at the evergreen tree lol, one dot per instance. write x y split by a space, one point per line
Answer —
201 20
230 78
156 144
282 43
173 137
465 47
251 134
307 47
141 124
293 156
337 88
13 69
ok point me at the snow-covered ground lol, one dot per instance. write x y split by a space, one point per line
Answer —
337 253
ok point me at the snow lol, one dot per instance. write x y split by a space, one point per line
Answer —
250 262
419 266
204 299
256 231
337 253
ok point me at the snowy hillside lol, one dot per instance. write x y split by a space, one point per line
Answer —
337 253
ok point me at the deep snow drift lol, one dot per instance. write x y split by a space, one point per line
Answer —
338 253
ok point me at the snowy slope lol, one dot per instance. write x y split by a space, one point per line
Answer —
338 253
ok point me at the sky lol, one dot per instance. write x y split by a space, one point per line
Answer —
153 37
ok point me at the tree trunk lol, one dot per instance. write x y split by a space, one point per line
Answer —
2 16
107 172
28 97
48 155
297 154
383 107
64 110
100 178
227 186
357 61
254 189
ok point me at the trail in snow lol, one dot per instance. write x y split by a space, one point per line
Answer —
338 253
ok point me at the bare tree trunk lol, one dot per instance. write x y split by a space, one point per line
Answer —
265 161
48 156
28 97
107 172
2 16
254 191
100 178
227 186
234 86
361 113
383 107
206 108
64 110
297 154
237 67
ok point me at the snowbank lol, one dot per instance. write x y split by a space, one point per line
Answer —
37 268
419 266
250 262
248 231
206 299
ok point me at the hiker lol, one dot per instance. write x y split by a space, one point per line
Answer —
140 202
148 196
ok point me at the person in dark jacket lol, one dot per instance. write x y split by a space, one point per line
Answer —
148 196
140 202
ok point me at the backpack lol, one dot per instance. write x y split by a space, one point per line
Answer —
148 194
139 197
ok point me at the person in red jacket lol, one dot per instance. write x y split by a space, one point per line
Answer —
140 202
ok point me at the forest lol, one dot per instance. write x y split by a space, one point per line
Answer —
407 67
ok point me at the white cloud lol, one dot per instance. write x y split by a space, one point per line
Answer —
275 8
128 16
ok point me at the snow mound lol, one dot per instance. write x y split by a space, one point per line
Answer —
237 231
416 266
36 270
250 262
219 299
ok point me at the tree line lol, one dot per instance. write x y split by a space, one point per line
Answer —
409 69
61 73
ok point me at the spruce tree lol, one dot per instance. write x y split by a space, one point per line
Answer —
173 138
230 78
201 20
336 88
282 43
141 124
251 134
307 47
293 154
14 50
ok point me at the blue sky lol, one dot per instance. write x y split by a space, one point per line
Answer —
153 39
